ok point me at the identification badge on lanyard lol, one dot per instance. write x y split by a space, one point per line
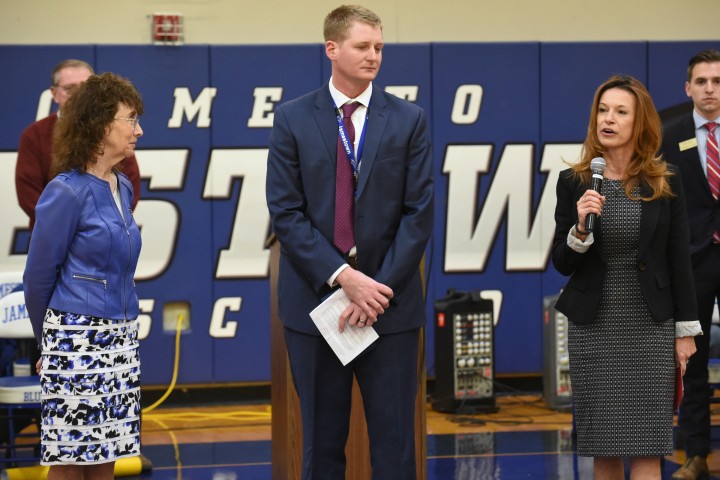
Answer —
348 146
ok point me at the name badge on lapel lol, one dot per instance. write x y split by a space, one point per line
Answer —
688 144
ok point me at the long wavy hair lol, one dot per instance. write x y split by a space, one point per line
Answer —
86 120
646 167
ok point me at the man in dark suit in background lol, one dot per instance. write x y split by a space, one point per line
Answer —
32 171
369 242
690 142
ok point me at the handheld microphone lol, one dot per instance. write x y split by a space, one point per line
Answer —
597 167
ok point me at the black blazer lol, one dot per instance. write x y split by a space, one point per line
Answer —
703 209
663 262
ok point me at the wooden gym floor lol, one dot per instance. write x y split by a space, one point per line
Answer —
523 439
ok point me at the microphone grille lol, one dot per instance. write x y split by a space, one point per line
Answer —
597 164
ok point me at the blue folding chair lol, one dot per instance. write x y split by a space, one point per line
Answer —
19 395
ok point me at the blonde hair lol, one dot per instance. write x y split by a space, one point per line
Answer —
339 21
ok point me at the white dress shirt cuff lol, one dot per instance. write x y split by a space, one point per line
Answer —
688 329
578 245
332 280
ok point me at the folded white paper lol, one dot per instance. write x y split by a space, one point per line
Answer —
353 340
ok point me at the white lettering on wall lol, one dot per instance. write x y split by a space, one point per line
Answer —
44 104
466 106
406 92
262 111
246 256
159 220
145 318
218 327
497 298
473 218
509 199
184 104
12 216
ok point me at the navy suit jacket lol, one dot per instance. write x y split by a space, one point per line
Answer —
663 261
703 209
393 206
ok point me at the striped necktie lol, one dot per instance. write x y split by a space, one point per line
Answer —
713 166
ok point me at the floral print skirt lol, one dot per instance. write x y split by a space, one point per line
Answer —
90 380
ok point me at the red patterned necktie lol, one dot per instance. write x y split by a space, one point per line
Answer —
713 166
345 187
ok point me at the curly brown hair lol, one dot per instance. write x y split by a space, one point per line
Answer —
86 118
646 167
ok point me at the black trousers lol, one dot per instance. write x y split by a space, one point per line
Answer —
694 414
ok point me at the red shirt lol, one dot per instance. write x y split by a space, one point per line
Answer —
32 171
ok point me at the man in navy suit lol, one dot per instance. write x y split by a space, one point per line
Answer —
390 221
685 143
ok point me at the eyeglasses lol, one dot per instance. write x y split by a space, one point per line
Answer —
134 121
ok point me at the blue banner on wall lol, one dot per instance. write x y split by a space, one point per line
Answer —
505 120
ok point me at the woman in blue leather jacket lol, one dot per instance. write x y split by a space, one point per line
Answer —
79 286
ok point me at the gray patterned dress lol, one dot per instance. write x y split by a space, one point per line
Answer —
622 365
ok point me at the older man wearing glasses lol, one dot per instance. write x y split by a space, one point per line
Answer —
32 171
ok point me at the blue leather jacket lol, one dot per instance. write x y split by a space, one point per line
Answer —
83 253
